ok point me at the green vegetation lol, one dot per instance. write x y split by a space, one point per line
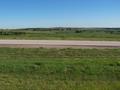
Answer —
63 34
59 69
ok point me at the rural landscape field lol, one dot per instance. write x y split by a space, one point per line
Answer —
59 44
107 34
60 68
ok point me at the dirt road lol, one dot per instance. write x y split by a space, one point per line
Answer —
59 44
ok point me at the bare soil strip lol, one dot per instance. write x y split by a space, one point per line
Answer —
59 44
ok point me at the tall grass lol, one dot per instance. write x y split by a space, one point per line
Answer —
62 69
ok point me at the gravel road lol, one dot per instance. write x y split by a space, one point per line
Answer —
59 44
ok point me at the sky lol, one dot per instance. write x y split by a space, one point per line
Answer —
59 13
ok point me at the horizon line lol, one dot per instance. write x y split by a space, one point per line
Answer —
56 27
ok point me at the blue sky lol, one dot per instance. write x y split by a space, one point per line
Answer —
59 13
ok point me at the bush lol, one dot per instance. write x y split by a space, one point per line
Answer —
78 31
11 33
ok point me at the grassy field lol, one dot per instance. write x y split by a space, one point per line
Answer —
62 34
59 69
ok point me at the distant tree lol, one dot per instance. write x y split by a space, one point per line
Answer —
78 31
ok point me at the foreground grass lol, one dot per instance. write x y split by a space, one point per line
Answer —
62 69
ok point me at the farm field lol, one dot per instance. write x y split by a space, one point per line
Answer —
101 34
60 45
59 69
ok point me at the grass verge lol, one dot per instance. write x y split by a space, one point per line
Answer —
62 69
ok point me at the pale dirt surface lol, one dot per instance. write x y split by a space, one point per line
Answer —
59 44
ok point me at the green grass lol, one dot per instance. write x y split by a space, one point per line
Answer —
61 35
59 69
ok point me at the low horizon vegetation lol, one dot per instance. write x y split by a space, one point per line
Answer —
110 34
